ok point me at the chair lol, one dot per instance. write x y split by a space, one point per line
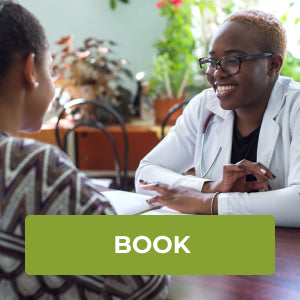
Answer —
93 114
172 110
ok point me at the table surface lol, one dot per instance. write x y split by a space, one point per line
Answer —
284 284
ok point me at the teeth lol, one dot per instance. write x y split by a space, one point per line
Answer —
225 88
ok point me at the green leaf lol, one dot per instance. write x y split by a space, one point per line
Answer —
284 18
113 4
297 20
212 7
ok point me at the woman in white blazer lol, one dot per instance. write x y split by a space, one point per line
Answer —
250 113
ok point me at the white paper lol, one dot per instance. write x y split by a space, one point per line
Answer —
126 203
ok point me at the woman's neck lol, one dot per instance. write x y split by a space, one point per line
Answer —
247 122
10 116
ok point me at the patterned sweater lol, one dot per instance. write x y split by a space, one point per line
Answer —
36 179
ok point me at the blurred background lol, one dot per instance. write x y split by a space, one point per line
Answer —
158 41
140 57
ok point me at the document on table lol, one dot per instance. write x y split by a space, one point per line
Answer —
127 203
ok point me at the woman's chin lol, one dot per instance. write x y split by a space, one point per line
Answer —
227 105
32 129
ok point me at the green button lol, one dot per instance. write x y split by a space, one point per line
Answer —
174 245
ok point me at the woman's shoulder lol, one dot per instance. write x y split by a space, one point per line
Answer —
27 151
42 171
288 91
25 144
287 86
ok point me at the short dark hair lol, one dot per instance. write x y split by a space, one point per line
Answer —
20 34
271 33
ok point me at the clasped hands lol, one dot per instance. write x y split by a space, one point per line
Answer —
192 201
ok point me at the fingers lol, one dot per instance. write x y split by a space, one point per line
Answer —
257 169
232 175
234 170
158 187
256 185
153 200
234 179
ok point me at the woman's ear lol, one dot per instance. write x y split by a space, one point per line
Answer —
275 64
30 71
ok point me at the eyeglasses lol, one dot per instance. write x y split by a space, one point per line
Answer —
230 65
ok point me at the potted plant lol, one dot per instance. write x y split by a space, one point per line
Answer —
93 72
175 65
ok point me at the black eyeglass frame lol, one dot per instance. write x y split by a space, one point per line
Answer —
240 59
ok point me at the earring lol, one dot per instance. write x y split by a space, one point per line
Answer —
36 84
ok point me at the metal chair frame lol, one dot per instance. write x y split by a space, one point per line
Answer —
169 113
121 181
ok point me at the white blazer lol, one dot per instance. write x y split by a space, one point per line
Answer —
187 146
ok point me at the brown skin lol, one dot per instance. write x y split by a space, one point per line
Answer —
191 201
180 198
234 178
255 81
23 103
249 98
38 97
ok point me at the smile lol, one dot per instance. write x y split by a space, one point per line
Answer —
222 89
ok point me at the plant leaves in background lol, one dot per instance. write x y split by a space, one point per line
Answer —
113 3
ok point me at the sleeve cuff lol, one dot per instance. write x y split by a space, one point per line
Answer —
223 207
190 181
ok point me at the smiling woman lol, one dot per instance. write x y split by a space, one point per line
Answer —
251 131
249 72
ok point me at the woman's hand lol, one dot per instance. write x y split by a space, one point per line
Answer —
234 178
184 199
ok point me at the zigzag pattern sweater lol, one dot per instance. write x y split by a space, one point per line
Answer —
37 179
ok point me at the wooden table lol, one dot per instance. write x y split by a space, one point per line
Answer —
284 284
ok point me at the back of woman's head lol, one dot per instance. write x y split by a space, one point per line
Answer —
20 34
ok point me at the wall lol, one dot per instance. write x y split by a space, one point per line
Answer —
134 26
